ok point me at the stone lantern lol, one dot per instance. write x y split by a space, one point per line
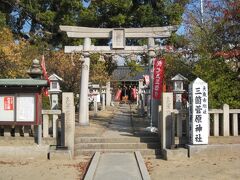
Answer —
178 90
54 90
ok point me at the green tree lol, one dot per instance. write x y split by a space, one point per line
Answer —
219 31
134 67
99 70
176 64
14 57
67 66
216 41
44 16
2 20
224 87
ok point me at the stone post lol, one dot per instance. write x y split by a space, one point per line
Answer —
166 120
83 109
39 134
45 125
108 94
103 101
235 124
179 125
216 124
69 113
95 106
55 127
226 120
62 140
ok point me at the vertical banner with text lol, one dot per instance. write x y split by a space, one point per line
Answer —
158 74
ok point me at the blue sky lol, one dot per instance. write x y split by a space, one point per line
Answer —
181 30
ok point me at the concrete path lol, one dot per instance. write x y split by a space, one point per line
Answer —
121 123
118 166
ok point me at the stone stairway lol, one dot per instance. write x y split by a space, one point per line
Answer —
120 134
147 146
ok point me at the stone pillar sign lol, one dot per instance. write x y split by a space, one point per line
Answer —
198 112
69 112
165 125
108 94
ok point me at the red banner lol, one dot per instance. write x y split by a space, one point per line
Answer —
118 95
158 73
8 103
45 89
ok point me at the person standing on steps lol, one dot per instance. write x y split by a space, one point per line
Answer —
124 94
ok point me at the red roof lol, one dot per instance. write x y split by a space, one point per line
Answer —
228 54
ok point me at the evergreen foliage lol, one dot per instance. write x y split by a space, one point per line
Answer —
216 43
44 16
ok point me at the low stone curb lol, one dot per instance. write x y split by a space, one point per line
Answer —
93 166
36 151
142 167
59 154
177 154
212 151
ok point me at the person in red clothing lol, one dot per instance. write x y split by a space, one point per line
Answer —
134 93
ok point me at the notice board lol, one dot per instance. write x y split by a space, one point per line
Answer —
18 108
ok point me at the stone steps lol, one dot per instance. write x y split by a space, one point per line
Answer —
118 136
117 146
148 146
90 152
116 140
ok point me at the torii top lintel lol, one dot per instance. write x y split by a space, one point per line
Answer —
145 32
118 36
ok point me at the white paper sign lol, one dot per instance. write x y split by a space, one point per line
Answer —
25 108
198 112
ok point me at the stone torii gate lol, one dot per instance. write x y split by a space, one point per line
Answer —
118 36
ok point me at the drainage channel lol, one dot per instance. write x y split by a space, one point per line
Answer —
117 166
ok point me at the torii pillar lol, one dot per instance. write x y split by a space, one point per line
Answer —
154 102
83 109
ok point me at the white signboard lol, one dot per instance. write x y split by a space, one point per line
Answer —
198 112
7 106
25 108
